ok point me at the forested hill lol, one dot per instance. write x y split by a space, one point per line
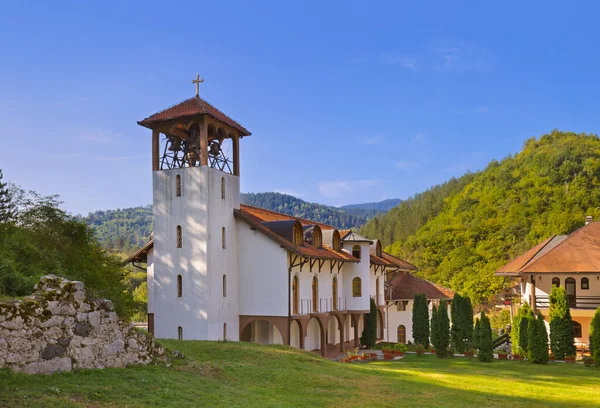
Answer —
126 229
469 227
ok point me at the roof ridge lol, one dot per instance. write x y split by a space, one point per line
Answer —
548 240
572 234
169 107
287 215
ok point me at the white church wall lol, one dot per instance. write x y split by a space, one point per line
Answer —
396 318
263 274
361 270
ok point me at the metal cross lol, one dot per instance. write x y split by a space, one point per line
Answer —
197 81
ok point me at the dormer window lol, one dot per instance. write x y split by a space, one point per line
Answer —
337 242
356 251
378 250
317 237
297 234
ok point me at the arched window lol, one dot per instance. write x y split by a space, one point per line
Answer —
556 282
585 283
401 306
179 237
337 242
178 185
315 295
223 188
179 286
297 234
224 285
180 333
334 293
317 237
295 295
356 251
356 287
402 334
223 237
224 331
571 289
576 329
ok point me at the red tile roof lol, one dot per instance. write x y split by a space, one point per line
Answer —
576 253
403 265
268 215
192 107
406 285
141 255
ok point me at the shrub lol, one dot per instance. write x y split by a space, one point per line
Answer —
442 331
537 337
588 361
369 334
420 320
562 341
462 323
520 322
420 350
400 347
486 345
476 334
595 336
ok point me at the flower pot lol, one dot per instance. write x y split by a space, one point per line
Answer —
517 357
502 356
398 353
388 355
373 355
432 351
569 359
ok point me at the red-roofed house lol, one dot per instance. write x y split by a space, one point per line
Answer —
571 261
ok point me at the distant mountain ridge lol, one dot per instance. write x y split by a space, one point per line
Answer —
126 229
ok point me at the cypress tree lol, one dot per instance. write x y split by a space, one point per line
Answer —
6 204
467 313
486 345
369 334
434 328
477 334
442 331
518 336
526 320
458 322
538 340
420 320
562 341
595 336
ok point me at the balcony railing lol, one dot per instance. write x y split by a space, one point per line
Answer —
324 305
575 302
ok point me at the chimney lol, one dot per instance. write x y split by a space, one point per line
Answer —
588 219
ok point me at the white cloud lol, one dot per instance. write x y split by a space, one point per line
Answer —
390 58
335 189
460 56
374 139
457 168
418 138
99 136
406 165
288 192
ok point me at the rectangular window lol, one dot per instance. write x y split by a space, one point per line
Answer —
178 186
401 306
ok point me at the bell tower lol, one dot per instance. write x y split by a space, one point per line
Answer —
192 286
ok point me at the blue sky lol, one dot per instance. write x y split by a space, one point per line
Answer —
347 101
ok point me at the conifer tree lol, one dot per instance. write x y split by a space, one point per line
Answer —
6 205
467 313
442 330
458 322
369 334
526 318
434 327
477 334
537 336
562 341
420 320
486 345
595 336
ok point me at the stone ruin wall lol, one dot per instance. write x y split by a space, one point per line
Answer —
61 328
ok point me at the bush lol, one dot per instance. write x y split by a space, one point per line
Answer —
369 334
588 361
420 320
595 336
562 341
518 334
442 330
486 345
537 337
400 347
420 350
462 323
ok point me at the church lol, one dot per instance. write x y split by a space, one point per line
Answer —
221 270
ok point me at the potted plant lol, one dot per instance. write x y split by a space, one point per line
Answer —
432 349
552 357
373 356
399 349
518 355
502 355
570 358
420 350
470 353
388 352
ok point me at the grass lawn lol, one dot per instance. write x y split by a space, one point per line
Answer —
242 374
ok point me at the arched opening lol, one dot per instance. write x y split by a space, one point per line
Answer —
223 237
571 289
402 334
179 237
297 234
377 299
577 329
224 285
295 294
556 282
295 334
315 295
333 335
179 286
334 293
261 332
379 324
223 188
224 331
356 251
337 242
585 283
313 335
356 287
178 185
180 333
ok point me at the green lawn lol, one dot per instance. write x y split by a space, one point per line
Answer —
241 374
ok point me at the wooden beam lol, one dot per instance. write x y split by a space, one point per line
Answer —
155 148
321 263
203 143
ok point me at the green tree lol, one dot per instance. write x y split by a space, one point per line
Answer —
462 323
595 336
7 210
477 334
518 334
420 320
537 340
369 334
562 341
440 325
486 345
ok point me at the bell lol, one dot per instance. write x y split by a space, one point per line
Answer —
175 144
215 149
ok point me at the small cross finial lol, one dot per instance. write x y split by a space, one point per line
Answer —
197 81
